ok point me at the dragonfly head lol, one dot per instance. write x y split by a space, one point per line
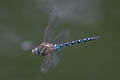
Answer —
35 51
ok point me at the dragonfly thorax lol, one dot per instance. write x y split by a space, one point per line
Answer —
43 49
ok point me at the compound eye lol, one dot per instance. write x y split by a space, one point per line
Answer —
35 51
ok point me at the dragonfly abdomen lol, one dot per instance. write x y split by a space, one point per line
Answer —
59 46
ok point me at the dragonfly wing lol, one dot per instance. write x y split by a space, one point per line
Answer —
53 59
49 62
51 26
62 36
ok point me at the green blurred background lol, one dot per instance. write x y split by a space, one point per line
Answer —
26 20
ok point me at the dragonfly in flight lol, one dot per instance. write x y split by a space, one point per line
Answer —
51 43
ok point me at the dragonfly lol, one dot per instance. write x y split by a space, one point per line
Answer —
53 43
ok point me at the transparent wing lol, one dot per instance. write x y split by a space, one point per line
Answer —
62 36
49 62
51 26
53 59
